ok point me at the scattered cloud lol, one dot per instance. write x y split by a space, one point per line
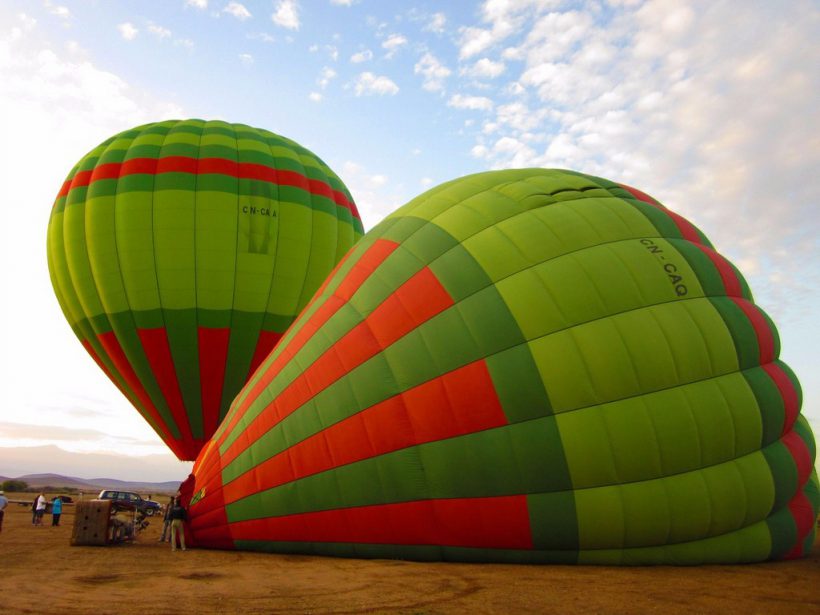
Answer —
199 4
185 43
342 2
376 195
128 31
159 31
58 10
326 75
476 103
484 69
367 83
432 71
393 43
436 24
315 96
286 14
246 59
261 36
361 56
238 10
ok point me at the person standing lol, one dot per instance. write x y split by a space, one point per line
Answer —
178 515
166 521
56 511
40 509
4 501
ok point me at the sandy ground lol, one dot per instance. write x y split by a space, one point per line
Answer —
41 573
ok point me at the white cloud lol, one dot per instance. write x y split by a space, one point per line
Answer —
478 103
159 31
261 36
58 10
315 96
393 43
436 23
128 31
426 182
367 83
433 72
361 56
286 14
199 4
237 10
484 69
186 43
60 97
657 96
376 195
326 75
342 2
246 59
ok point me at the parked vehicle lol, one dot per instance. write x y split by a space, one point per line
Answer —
131 499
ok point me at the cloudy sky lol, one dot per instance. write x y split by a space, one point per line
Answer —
711 106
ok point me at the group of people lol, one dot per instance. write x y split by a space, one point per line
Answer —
39 506
175 516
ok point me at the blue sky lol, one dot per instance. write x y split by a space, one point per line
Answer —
711 107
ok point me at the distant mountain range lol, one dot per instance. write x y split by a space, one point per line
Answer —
43 465
94 484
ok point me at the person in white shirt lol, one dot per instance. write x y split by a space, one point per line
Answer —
40 509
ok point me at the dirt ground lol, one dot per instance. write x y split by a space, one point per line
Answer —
41 573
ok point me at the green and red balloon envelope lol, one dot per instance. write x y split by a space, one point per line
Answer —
180 251
520 366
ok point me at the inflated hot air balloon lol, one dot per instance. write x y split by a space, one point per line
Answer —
180 252
520 366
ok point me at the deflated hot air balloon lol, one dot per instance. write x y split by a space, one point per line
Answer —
180 252
520 366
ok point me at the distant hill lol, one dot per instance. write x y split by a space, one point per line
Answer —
50 461
94 484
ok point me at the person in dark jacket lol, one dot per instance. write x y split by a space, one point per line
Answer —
166 521
177 515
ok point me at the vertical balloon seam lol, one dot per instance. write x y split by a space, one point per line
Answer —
179 414
158 422
127 349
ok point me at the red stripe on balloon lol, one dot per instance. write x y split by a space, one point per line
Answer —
483 523
459 402
374 256
765 337
791 401
801 455
213 353
686 228
416 301
202 166
728 275
802 512
158 352
113 349
264 345
800 508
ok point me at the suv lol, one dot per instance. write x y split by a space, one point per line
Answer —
130 499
